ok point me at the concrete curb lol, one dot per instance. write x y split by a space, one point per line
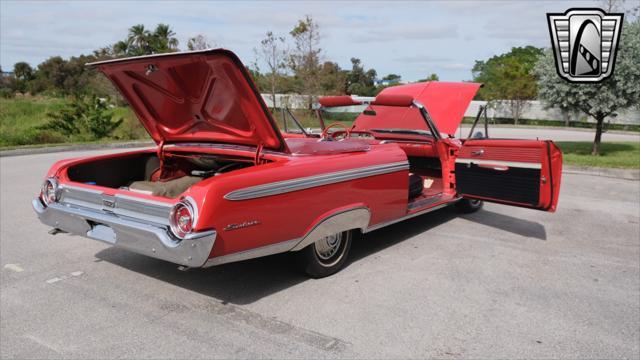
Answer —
628 174
75 147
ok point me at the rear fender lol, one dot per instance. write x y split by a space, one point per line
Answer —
356 216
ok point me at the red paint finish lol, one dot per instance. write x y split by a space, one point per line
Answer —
199 103
446 103
202 96
386 99
504 150
419 149
287 216
334 101
311 146
516 153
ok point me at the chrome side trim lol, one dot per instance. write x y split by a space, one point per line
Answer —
500 162
357 218
406 217
129 233
267 250
286 186
416 204
354 218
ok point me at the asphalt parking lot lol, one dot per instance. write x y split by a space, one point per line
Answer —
502 283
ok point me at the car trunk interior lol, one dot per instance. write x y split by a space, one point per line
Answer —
143 172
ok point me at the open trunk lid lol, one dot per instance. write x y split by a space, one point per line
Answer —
194 97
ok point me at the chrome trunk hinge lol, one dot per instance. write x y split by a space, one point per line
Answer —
160 153
256 159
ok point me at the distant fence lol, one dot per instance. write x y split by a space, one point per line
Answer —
533 110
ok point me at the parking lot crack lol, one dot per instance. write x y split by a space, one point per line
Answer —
240 315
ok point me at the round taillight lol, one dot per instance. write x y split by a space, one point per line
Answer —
49 192
182 219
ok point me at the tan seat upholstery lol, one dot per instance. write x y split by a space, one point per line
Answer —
169 189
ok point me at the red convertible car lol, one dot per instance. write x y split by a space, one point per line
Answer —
225 184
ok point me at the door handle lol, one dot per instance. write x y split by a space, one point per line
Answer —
494 167
477 152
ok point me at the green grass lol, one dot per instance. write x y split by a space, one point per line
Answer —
554 123
20 118
613 154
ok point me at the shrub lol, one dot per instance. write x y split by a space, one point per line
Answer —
87 117
6 93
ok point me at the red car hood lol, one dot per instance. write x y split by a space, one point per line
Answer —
446 102
194 97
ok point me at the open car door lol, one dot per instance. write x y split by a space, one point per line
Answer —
522 173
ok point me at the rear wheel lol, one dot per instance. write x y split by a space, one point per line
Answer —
326 256
467 206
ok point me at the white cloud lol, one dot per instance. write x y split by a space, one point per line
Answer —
407 32
408 38
454 66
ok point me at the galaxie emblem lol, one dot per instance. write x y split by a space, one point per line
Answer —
108 203
584 43
241 225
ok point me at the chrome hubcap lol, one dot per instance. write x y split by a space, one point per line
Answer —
328 246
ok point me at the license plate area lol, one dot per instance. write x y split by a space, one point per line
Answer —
102 232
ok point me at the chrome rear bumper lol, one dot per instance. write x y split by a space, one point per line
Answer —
128 233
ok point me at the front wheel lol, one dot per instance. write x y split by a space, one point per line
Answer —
326 256
468 206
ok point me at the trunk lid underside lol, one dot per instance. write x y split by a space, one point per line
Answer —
196 96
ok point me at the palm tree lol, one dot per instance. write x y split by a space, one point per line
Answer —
139 39
165 40
121 48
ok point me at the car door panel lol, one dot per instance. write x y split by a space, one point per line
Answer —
515 172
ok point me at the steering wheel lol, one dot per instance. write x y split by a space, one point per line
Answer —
325 132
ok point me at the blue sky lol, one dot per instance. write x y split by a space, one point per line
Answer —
412 39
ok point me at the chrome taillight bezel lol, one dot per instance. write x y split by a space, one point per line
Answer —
45 195
193 211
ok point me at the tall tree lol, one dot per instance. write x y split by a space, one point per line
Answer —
359 80
23 73
599 100
332 78
141 41
393 78
138 40
199 42
509 77
50 76
274 53
163 40
305 59
432 77
120 48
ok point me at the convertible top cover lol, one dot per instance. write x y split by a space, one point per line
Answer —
445 101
